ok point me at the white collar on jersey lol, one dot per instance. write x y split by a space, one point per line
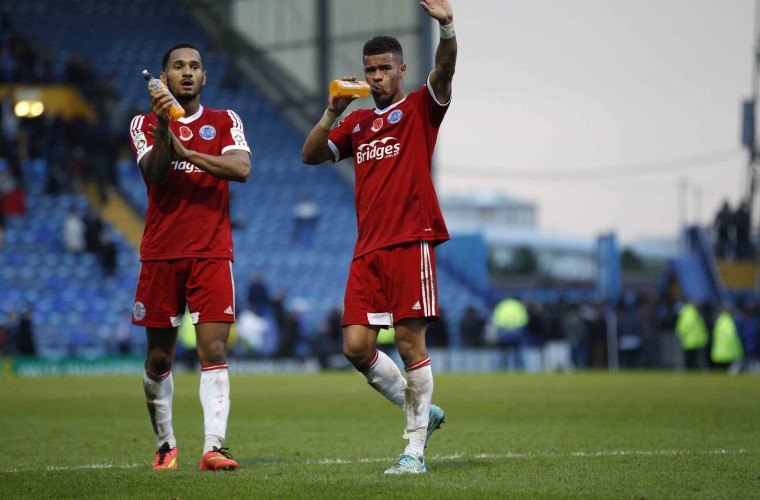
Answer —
188 119
383 111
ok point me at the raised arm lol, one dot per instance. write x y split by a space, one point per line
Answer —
446 53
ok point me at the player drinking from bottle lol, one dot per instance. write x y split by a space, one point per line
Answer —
186 249
392 279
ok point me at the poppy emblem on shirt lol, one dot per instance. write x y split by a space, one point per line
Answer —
395 116
207 132
185 133
377 124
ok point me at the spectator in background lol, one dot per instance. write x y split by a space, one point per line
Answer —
472 327
2 225
328 344
13 201
25 334
646 310
108 254
290 334
78 166
726 351
692 332
8 64
438 331
122 335
535 333
596 322
93 228
252 331
55 182
557 352
742 224
6 329
258 295
305 218
510 319
73 232
721 230
747 318
11 126
629 333
575 332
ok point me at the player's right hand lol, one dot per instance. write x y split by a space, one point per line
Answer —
160 103
338 104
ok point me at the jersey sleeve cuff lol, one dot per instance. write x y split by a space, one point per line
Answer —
334 149
432 94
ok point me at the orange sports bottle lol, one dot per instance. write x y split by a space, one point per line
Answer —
342 88
154 85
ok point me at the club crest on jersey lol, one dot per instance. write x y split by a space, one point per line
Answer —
185 133
207 132
377 124
138 311
395 116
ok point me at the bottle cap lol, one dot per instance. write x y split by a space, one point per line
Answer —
147 75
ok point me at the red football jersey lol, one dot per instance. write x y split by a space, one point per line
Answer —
189 215
393 150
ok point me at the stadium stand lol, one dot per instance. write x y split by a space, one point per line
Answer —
76 308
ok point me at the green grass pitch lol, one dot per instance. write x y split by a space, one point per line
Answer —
329 435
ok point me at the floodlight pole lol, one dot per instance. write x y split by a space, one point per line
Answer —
750 122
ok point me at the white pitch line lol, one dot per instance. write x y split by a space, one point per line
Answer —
457 456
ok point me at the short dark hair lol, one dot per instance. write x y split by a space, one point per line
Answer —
183 45
383 45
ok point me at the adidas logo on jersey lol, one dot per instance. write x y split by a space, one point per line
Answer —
417 306
228 310
356 129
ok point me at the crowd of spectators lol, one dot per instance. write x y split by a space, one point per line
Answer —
562 335
76 151
269 326
645 331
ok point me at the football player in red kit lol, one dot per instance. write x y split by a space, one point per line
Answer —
392 279
186 252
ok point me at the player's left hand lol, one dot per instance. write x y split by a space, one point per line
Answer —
180 151
439 9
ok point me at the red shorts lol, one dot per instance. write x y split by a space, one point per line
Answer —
165 287
391 284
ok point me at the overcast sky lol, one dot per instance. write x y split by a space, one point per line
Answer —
560 102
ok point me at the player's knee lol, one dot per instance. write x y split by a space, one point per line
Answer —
411 352
213 354
359 356
158 363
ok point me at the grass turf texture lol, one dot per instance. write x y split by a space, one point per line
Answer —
626 435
